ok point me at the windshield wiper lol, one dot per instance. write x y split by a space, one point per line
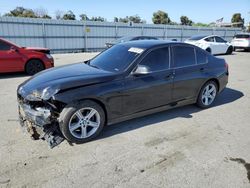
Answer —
93 66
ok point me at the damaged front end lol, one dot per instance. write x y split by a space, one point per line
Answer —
39 119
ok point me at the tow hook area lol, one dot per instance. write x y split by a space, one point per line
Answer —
40 125
50 133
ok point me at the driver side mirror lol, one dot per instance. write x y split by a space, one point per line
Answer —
13 49
141 70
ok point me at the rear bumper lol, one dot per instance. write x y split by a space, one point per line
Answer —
242 47
49 63
223 81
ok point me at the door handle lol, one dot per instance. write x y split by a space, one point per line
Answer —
170 76
202 69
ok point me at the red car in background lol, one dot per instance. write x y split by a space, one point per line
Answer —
23 59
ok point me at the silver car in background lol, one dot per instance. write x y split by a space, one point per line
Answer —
241 41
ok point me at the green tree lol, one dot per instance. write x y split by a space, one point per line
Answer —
134 19
84 17
199 24
185 20
42 13
69 16
124 20
238 20
21 12
161 17
98 19
116 19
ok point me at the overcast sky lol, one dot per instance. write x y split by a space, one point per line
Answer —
198 11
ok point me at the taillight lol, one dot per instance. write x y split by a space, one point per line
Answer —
226 65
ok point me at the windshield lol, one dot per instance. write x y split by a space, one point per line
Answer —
116 58
199 37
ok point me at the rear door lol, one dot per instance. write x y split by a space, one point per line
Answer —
212 44
10 59
152 90
221 45
190 67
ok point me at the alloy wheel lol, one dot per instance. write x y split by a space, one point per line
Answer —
84 123
208 94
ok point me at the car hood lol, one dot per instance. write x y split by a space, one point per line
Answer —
38 49
65 77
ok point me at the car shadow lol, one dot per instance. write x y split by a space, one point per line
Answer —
218 55
227 96
242 50
13 75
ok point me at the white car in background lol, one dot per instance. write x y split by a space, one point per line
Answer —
212 43
241 41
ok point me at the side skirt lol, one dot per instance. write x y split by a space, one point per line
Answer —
152 111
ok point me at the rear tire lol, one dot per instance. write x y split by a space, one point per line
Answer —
82 122
207 95
229 50
34 66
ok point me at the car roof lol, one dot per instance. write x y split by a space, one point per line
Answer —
147 44
204 36
242 34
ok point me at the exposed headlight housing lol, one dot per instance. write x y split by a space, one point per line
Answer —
49 56
43 94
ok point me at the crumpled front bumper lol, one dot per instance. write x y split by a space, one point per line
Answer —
39 124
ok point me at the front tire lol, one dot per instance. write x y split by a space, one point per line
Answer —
209 50
207 95
82 122
34 66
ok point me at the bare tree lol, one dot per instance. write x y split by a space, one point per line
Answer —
42 13
59 14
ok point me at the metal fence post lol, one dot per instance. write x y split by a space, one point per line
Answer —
225 33
165 32
116 31
142 30
44 35
85 36
182 33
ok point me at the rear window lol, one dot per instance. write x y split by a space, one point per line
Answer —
198 37
183 56
242 36
201 57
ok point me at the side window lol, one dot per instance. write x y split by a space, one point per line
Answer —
157 60
220 40
201 57
183 56
210 39
4 46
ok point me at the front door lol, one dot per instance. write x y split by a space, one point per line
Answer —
144 92
10 58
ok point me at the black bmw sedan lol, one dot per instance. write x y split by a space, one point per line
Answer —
128 80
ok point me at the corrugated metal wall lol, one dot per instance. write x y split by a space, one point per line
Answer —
71 36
